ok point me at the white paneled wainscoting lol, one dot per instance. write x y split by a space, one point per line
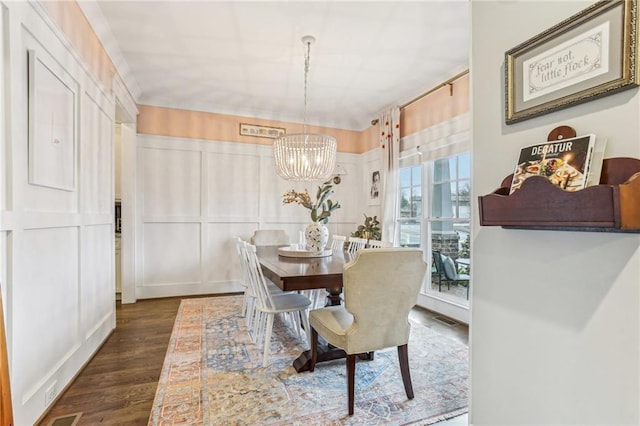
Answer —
195 195
57 265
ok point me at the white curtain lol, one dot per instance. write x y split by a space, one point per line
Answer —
389 123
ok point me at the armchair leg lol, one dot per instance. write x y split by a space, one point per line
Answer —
351 373
314 349
403 357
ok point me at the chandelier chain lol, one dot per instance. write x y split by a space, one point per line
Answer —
307 60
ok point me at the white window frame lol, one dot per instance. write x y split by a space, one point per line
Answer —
429 181
400 220
443 140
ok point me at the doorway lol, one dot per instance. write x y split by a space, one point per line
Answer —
124 137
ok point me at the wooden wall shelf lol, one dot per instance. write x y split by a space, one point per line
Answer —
611 206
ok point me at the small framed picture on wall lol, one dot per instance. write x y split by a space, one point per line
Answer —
374 191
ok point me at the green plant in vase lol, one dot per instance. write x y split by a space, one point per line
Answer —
316 233
323 206
370 229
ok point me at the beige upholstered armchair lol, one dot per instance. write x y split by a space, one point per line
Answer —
380 288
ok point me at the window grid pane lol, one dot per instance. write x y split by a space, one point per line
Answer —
448 222
447 216
409 222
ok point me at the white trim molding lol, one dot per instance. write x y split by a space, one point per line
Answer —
101 27
447 138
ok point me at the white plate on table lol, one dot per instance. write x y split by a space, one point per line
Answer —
294 251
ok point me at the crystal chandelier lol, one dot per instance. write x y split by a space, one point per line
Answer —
305 156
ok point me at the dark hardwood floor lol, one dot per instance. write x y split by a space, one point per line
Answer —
118 385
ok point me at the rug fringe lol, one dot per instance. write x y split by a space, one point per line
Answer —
441 418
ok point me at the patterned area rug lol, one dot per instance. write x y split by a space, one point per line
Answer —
213 375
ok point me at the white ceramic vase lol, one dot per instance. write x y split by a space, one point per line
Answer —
317 236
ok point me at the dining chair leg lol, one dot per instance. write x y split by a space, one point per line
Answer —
257 324
293 322
267 340
351 374
318 299
250 319
252 316
260 326
300 325
243 312
305 324
245 306
403 357
314 350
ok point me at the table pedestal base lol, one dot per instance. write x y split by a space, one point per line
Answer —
303 362
326 352
333 296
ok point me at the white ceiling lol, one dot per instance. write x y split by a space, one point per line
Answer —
247 58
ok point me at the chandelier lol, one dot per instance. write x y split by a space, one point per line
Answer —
305 156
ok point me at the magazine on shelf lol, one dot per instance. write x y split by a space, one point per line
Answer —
597 157
566 163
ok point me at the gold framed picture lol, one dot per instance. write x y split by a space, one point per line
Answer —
587 56
261 131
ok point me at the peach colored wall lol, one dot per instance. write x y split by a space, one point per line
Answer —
370 138
432 109
74 25
167 121
436 107
162 121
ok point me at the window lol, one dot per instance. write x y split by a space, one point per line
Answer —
410 217
449 224
443 212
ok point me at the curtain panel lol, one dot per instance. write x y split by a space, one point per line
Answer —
389 123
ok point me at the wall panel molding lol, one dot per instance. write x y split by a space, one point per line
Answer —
238 192
58 253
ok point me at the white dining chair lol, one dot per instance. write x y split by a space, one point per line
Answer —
317 296
355 244
247 300
379 244
337 242
270 237
249 311
268 305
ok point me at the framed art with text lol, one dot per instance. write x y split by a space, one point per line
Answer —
587 56
261 131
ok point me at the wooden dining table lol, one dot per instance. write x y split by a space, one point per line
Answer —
305 273
308 273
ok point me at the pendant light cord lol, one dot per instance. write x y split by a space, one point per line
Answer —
307 59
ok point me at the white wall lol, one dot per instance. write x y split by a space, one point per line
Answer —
194 196
555 325
57 252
